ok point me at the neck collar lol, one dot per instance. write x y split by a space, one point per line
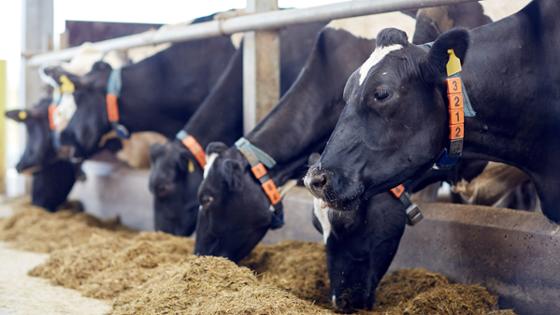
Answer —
114 86
260 162
193 146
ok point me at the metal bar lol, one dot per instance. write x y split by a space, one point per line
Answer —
252 22
3 100
37 37
261 68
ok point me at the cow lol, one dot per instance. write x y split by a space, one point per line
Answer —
235 213
39 158
395 125
288 134
157 94
176 171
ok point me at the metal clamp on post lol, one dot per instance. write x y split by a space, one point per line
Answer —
413 213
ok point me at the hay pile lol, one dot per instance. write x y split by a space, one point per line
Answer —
297 267
105 266
155 273
33 229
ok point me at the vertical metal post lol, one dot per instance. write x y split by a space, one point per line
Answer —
3 100
261 68
37 34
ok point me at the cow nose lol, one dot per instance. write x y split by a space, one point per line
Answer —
316 182
342 304
163 189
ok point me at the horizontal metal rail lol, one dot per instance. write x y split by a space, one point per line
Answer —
251 22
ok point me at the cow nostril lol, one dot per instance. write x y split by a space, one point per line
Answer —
342 305
318 181
163 190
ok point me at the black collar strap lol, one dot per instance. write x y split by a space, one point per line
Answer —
413 213
260 162
114 86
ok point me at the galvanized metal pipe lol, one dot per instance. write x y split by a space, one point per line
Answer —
260 21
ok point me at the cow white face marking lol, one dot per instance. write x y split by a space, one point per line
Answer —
64 111
321 211
211 158
375 57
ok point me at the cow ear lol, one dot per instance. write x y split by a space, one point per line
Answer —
156 150
186 161
97 77
216 148
60 76
19 115
391 36
233 173
435 65
313 158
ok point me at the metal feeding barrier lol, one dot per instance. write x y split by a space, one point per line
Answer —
261 73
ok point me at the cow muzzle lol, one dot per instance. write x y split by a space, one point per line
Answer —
316 181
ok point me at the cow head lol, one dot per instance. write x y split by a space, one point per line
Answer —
235 214
430 22
360 246
89 122
395 123
39 147
174 180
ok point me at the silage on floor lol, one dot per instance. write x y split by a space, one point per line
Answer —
155 273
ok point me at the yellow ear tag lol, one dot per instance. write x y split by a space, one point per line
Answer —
191 166
22 115
66 86
454 63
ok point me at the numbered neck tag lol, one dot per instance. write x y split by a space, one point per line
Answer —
456 108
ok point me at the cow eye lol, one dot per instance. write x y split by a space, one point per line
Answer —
206 200
381 94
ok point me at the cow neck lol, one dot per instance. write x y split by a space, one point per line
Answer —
306 115
139 109
220 117
295 129
161 92
506 89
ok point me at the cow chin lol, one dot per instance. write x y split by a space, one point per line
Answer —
352 285
180 223
232 247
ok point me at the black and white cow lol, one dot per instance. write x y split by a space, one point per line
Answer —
176 173
157 94
235 213
395 124
52 179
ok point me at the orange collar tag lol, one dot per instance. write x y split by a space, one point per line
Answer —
196 149
397 191
412 211
51 112
112 108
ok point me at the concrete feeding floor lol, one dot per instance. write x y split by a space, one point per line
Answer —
22 294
